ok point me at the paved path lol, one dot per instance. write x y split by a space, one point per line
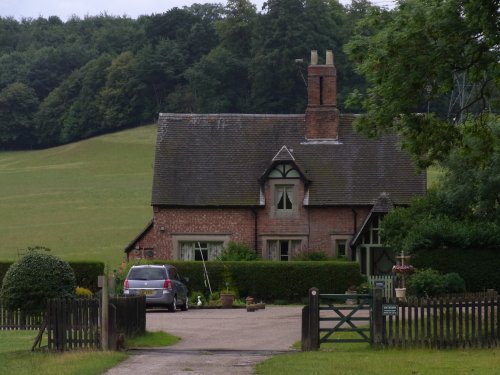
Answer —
215 342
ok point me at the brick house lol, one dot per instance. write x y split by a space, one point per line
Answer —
280 183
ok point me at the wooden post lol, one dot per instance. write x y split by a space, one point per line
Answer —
103 282
306 336
378 334
314 318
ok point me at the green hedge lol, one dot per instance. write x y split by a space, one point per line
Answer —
86 272
480 268
269 281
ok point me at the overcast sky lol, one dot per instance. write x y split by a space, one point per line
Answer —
66 8
131 8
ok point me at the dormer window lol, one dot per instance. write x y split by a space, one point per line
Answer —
284 198
284 171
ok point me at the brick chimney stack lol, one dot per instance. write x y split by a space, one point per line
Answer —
322 115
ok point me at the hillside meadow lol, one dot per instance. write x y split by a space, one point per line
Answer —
85 201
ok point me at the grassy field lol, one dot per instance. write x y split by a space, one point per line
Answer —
85 201
354 359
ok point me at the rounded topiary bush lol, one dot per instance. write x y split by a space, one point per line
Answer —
35 278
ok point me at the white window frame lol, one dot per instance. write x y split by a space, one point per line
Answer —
179 239
295 245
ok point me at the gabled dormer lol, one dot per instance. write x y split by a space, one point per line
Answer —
285 183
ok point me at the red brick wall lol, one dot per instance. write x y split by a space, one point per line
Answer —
317 225
239 223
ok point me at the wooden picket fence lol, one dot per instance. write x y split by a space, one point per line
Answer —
19 320
129 314
443 323
73 324
385 282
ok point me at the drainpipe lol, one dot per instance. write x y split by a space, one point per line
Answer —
355 227
255 235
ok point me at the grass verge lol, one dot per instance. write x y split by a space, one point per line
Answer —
17 359
152 339
353 359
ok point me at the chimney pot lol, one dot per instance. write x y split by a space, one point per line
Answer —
329 57
314 57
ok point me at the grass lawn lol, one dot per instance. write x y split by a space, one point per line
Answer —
347 359
86 200
17 359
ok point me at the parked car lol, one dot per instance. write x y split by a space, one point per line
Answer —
161 284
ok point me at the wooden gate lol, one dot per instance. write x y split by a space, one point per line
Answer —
327 315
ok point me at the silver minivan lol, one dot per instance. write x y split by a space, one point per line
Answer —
161 284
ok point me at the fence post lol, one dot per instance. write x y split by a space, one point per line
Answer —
306 336
378 333
314 319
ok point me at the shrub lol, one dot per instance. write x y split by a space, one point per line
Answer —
453 283
86 273
431 283
478 267
83 292
33 279
268 281
425 283
238 251
311 255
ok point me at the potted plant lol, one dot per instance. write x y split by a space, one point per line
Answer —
402 270
227 295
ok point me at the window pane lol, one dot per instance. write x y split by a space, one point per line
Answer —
341 248
284 250
288 202
272 250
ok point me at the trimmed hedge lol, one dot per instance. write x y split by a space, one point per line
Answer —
478 267
86 272
269 281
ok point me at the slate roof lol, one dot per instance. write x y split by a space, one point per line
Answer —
217 160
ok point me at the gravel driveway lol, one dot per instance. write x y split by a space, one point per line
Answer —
215 341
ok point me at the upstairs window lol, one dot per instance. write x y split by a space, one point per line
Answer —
284 198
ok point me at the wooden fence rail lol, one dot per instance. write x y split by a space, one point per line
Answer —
439 323
130 314
443 323
19 320
73 324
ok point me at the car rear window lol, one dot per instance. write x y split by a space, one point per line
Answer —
146 274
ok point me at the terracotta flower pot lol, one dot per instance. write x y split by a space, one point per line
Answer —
227 300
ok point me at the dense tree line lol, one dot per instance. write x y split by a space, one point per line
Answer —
63 81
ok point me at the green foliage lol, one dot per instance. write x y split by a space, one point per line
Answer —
478 267
453 283
83 292
415 59
86 273
35 278
464 210
98 74
425 283
18 103
237 251
311 255
431 283
268 281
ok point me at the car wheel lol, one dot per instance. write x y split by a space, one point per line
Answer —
185 307
173 306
